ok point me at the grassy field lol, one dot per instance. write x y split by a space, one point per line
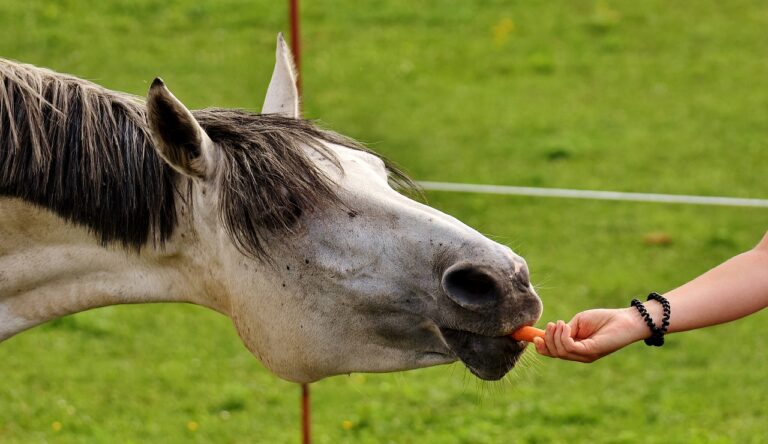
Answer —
650 96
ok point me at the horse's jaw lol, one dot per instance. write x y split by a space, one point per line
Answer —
308 330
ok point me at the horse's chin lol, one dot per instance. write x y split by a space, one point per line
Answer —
487 357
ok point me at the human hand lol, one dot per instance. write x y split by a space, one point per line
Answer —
591 334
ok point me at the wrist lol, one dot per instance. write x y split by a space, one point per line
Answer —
638 326
656 310
638 329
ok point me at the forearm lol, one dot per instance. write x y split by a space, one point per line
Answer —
732 290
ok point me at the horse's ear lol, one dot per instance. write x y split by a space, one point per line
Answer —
282 94
177 136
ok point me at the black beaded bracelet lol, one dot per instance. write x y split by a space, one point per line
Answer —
657 333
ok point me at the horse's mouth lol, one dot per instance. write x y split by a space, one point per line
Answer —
487 357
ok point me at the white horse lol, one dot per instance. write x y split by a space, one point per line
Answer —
292 231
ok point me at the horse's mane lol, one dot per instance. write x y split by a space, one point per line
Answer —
85 153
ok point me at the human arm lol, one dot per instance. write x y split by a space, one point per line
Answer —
730 291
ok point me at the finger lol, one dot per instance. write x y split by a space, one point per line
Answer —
549 339
567 348
541 347
579 355
561 351
543 343
566 339
555 336
576 358
579 349
583 359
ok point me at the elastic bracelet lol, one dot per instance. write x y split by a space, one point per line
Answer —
667 311
657 333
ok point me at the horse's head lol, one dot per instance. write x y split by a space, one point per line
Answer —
325 268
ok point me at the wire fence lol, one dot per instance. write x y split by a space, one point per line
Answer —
595 195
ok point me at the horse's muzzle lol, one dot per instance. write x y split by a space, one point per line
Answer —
487 357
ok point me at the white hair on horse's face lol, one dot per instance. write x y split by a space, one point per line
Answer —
293 231
390 284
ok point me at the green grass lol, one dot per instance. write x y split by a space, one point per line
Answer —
640 96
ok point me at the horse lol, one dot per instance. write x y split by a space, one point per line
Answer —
298 234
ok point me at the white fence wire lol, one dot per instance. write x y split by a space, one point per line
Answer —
591 194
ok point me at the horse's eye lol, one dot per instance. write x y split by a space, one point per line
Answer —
293 211
296 212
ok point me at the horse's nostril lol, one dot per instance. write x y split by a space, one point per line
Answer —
471 287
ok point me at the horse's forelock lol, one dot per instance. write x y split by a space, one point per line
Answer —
266 179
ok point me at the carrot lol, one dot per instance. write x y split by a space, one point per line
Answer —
527 333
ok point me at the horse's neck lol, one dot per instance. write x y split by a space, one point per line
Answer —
49 269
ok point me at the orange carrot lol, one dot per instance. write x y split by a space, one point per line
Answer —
527 333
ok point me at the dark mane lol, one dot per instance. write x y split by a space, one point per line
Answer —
85 153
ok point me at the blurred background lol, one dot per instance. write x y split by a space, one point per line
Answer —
653 96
